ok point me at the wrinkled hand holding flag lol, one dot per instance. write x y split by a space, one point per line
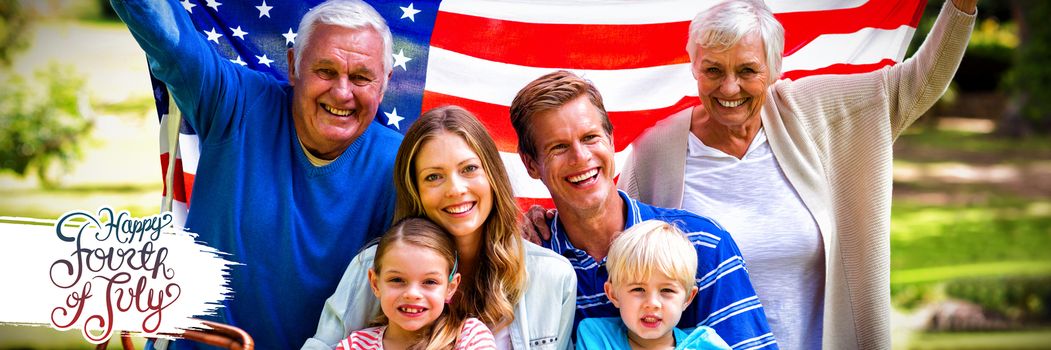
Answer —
479 53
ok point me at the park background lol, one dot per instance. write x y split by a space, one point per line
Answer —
971 217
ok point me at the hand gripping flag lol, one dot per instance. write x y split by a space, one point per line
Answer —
479 53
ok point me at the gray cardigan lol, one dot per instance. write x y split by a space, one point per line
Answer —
543 318
833 136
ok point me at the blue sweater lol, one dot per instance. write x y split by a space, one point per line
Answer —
292 225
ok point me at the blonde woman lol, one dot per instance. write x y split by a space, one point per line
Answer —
449 169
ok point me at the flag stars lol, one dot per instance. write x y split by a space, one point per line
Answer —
290 37
264 10
393 118
400 59
214 4
409 12
238 32
239 61
264 60
213 35
186 4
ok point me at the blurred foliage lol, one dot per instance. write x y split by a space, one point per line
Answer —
41 120
1020 298
42 123
909 296
1008 51
14 23
106 11
989 53
84 10
1029 79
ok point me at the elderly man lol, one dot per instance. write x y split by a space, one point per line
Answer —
292 178
565 140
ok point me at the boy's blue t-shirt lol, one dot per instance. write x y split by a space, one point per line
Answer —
610 333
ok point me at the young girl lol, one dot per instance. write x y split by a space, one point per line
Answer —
414 276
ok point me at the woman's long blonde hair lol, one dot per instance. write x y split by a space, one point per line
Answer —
499 281
423 233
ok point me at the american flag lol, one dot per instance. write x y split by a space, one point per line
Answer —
479 53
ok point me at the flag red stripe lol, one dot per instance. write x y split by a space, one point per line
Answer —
496 118
178 180
188 180
569 46
524 203
843 68
803 27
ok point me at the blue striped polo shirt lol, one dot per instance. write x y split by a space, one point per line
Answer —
725 298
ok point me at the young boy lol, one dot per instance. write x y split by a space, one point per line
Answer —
651 280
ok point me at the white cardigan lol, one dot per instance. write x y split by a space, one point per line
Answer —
833 136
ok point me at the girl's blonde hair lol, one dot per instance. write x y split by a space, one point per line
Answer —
499 282
423 233
649 247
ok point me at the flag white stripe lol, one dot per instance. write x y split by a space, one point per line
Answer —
456 74
617 12
179 211
189 148
783 6
165 145
865 46
528 187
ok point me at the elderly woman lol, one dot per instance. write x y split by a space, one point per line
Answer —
798 171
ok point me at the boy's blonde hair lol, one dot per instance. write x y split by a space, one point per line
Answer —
652 246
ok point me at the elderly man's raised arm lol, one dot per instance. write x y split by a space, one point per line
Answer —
164 30
180 57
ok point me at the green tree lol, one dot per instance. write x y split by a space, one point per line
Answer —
13 25
42 120
1029 79
42 126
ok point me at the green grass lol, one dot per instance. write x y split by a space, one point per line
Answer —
964 142
945 273
946 229
1032 339
134 106
138 200
1000 229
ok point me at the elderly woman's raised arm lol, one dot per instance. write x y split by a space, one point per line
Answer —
916 84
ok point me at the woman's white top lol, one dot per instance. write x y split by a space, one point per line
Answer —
777 235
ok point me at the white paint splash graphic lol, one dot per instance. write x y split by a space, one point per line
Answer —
106 272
